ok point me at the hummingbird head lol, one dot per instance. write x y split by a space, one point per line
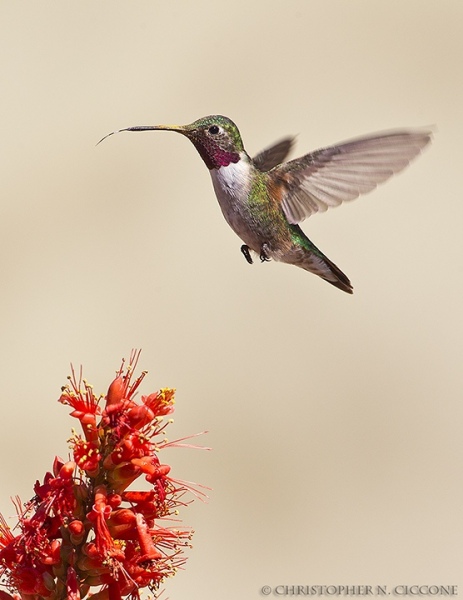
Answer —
216 138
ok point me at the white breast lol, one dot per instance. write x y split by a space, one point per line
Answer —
232 179
232 185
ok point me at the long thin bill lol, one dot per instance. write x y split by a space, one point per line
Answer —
144 128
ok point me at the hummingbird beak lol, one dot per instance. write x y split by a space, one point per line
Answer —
178 128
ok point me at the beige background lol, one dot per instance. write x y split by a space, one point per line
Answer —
336 421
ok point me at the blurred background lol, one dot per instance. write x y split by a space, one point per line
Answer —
335 421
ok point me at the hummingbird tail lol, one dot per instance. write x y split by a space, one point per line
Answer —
310 258
336 277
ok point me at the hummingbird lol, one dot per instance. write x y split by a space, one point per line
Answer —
264 199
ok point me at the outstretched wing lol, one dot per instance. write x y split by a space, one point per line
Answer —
273 155
330 176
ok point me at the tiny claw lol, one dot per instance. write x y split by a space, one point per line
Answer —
246 253
264 257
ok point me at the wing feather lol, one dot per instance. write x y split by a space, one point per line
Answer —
329 176
273 155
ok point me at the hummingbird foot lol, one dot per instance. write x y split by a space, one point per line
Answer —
246 253
264 257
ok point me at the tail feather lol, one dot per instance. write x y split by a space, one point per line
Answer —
322 266
307 256
337 277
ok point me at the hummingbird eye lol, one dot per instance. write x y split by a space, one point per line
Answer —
213 129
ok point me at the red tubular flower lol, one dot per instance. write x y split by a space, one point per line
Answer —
87 456
84 403
84 533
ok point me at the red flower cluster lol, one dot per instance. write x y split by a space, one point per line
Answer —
84 528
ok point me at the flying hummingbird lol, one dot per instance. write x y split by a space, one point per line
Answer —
263 198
